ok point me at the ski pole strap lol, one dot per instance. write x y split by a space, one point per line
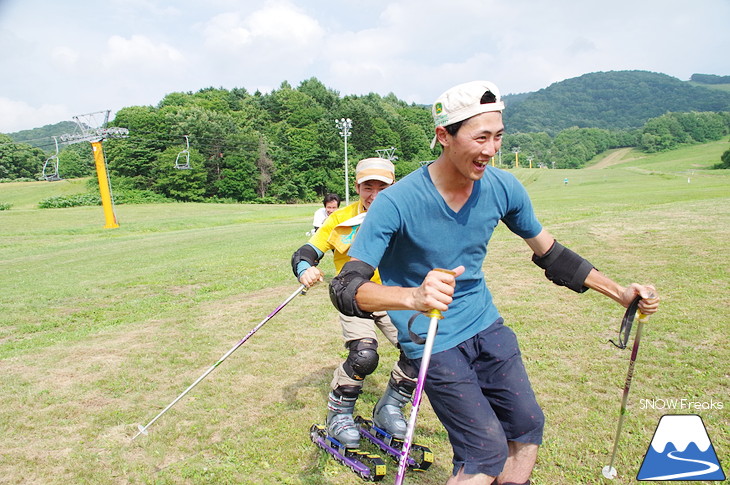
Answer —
415 338
626 323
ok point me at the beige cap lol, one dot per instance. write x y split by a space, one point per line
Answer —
375 169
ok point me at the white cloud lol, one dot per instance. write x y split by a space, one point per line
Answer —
226 31
278 25
139 51
261 48
18 115
282 22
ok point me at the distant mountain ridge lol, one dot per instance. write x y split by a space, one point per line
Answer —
614 100
43 137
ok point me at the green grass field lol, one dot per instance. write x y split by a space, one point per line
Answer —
100 329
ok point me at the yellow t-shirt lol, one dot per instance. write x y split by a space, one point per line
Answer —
338 232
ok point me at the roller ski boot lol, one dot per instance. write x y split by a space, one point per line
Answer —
341 437
388 412
387 430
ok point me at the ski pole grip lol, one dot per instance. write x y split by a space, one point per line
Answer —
447 271
645 318
436 313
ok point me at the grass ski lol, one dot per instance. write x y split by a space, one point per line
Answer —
367 466
420 457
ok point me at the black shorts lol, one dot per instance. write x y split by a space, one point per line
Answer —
481 394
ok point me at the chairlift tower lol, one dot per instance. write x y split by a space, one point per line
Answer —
387 153
93 128
516 151
345 125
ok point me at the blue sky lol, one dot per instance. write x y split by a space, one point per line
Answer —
62 59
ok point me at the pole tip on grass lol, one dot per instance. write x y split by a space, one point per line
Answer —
609 472
142 430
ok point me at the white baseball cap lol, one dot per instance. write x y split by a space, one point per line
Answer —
464 101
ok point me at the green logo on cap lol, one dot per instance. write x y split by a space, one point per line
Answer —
439 108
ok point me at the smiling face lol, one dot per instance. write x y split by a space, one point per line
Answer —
368 190
474 145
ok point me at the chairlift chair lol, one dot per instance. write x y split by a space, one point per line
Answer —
182 161
50 167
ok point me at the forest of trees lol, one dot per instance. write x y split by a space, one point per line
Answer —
284 146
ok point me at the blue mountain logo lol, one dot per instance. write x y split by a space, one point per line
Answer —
681 450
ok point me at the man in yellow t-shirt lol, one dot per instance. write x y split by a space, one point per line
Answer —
372 175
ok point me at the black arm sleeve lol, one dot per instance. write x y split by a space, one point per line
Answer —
305 253
564 267
343 287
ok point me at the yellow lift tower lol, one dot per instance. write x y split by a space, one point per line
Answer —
93 128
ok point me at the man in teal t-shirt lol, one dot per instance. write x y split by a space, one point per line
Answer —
428 237
442 216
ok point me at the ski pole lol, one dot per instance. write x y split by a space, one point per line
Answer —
609 471
301 290
435 315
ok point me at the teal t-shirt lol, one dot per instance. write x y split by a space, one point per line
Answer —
410 230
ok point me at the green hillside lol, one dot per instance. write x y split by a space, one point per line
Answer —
615 100
682 160
43 137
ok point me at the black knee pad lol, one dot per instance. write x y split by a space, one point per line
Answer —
363 358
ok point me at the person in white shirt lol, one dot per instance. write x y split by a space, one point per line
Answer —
331 203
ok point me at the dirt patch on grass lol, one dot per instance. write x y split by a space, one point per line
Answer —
613 158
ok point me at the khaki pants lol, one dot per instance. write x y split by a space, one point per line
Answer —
354 328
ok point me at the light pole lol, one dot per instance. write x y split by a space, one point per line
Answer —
344 125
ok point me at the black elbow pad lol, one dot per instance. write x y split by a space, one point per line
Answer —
564 267
343 287
305 253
